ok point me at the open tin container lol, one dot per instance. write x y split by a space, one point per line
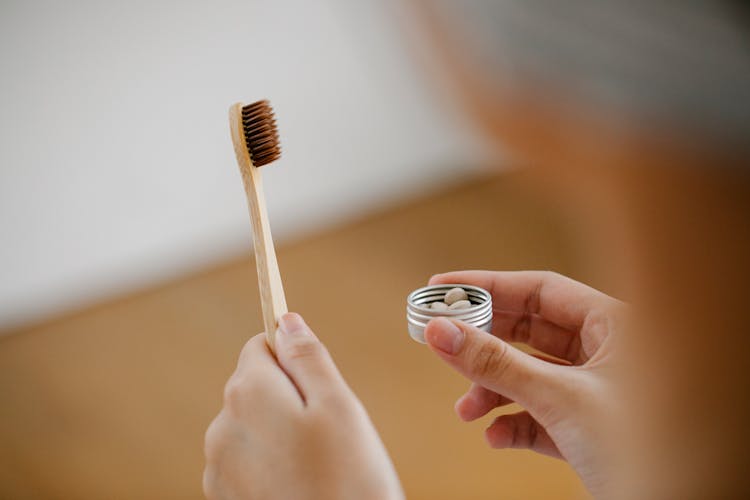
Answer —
418 312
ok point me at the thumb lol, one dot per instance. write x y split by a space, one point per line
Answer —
492 363
305 359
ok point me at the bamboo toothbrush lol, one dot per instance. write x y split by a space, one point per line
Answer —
256 143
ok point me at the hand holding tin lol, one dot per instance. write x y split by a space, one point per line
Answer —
567 399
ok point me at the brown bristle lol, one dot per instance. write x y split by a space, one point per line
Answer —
261 136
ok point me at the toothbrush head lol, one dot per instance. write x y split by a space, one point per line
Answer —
255 132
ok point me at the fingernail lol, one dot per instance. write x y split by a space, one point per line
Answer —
445 335
293 324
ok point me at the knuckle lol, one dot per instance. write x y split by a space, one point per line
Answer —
521 330
491 359
247 346
237 391
214 440
246 351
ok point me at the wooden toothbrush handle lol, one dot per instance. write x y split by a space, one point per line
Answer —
273 301
272 296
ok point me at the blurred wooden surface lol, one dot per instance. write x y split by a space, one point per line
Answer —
112 402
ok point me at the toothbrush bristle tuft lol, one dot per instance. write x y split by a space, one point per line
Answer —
261 136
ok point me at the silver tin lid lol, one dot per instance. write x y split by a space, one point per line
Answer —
418 313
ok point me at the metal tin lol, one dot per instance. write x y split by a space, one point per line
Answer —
417 315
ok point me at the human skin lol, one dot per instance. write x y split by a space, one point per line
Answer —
664 216
294 416
666 225
662 212
565 405
291 428
663 220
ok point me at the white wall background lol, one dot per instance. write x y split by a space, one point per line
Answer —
116 167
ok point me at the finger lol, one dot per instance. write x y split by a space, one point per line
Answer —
537 332
554 297
258 379
548 359
493 363
306 360
477 402
520 430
